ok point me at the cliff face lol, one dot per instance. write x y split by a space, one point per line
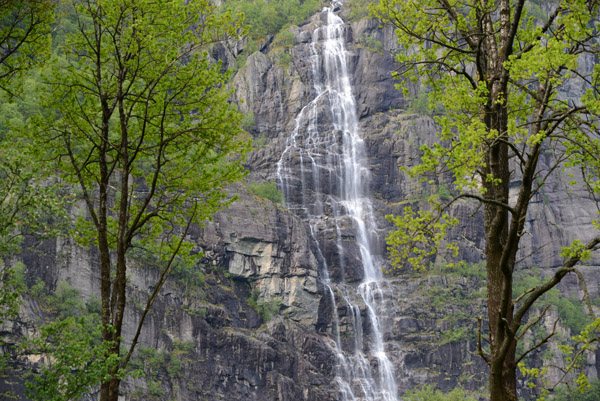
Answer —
211 329
264 323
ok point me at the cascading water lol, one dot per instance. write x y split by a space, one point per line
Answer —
333 183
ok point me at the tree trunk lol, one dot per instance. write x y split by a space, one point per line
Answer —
503 381
109 391
496 180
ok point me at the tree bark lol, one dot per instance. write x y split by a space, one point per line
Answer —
496 179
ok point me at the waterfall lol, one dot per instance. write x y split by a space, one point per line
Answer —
326 149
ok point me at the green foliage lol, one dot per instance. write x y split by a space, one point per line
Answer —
576 250
269 17
358 9
282 58
564 393
189 276
284 38
462 98
259 143
151 362
572 314
66 24
371 44
448 295
74 356
66 301
422 103
455 334
182 93
19 282
38 289
156 365
183 347
25 197
240 61
267 190
266 309
14 111
269 309
429 393
29 197
499 77
94 305
574 356
24 39
154 390
533 375
139 121
534 10
12 286
419 237
252 300
248 122
443 192
469 270
571 311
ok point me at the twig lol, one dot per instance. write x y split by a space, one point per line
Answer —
544 341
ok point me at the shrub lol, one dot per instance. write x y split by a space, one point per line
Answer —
429 393
285 38
66 301
189 276
267 190
371 44
265 309
38 290
18 280
443 192
248 121
358 9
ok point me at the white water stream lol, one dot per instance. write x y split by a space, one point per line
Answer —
333 182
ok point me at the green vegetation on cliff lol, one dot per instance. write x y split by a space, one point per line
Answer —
429 393
269 17
267 190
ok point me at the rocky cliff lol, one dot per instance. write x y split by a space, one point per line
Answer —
259 322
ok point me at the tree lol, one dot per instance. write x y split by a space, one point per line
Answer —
24 34
24 30
500 77
137 118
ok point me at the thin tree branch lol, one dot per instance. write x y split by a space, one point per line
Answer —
539 344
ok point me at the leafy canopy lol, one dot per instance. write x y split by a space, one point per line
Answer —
26 196
24 38
439 51
519 102
134 92
136 118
